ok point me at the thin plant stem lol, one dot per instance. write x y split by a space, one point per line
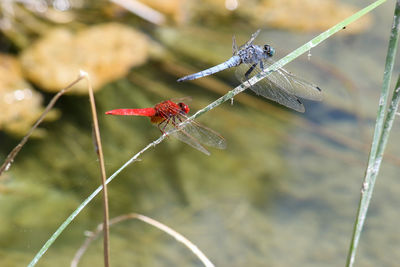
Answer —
99 150
381 134
196 251
11 156
394 104
142 11
301 50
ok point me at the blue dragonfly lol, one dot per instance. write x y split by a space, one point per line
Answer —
280 86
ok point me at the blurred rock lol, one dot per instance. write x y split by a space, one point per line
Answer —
215 12
294 15
307 15
105 51
20 105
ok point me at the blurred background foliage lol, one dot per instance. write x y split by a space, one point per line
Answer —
283 193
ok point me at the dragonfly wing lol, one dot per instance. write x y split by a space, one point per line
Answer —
186 138
234 45
252 38
269 89
184 99
195 134
204 135
293 84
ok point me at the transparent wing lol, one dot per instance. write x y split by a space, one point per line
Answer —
234 45
184 99
195 134
252 38
293 84
204 135
269 89
186 138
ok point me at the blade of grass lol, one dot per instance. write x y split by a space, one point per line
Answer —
99 150
387 127
381 135
280 63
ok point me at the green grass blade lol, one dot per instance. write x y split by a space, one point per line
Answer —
296 53
387 127
381 135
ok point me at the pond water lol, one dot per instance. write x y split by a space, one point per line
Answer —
284 193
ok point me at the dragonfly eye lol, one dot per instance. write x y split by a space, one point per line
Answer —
184 107
269 50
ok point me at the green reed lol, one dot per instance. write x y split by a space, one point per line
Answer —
383 125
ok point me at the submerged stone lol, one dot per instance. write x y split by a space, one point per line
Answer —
20 104
308 15
105 51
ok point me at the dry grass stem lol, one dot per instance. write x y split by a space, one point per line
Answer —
99 150
157 224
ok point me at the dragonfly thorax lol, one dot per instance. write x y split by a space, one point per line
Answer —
252 54
167 109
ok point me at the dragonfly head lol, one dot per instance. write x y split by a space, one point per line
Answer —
184 107
269 50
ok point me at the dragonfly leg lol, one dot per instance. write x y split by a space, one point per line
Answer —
175 120
249 71
261 65
162 128
159 127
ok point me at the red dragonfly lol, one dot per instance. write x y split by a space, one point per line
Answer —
168 115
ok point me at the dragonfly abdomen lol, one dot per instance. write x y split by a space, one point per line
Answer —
232 62
133 112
